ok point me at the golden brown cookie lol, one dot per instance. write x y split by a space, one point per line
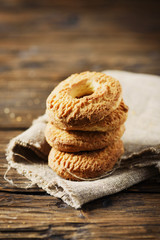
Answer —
108 123
76 141
85 164
83 99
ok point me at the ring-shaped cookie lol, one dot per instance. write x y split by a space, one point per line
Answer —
85 164
114 120
84 98
76 141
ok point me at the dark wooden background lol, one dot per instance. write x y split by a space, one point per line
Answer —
41 43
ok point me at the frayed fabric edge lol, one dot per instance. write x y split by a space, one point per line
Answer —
54 188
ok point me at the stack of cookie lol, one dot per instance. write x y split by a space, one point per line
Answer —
86 115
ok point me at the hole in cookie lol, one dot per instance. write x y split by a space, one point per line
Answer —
82 89
85 93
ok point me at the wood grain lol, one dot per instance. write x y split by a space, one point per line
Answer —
42 43
44 216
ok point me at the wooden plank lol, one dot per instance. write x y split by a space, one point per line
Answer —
79 5
84 18
21 105
119 216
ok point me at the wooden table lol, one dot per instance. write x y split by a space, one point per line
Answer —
41 43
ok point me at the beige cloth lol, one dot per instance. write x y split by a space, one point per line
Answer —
141 139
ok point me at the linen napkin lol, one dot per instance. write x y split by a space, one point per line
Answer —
28 152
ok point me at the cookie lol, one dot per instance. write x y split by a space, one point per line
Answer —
76 141
86 165
83 99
